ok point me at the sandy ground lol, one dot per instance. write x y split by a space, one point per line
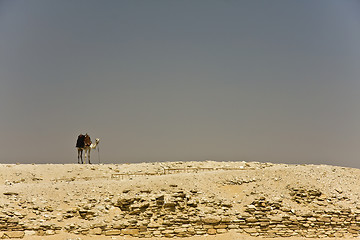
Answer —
65 186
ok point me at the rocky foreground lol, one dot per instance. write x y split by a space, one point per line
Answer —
179 199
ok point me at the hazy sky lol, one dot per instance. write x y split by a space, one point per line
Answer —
270 81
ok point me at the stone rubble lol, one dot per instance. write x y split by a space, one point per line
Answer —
180 214
177 211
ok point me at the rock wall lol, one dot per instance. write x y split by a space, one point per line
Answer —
182 214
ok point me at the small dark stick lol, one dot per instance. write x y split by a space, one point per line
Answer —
98 147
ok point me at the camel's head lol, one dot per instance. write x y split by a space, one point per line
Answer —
94 145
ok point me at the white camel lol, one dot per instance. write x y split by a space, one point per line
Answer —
87 150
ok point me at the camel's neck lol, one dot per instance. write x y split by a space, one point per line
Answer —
93 145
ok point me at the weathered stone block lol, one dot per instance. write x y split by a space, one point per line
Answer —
113 232
169 231
191 230
220 231
200 232
312 219
250 230
142 228
154 225
130 231
226 219
180 230
14 234
251 220
95 231
324 219
212 220
233 226
206 226
220 226
28 233
264 224
49 232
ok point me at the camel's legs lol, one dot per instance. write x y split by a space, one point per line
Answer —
85 157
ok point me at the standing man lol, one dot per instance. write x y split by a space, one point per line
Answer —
80 141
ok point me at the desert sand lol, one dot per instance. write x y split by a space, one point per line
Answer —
74 201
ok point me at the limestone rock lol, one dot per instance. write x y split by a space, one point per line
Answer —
14 234
212 219
113 232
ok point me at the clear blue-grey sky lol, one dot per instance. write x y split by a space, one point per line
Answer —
270 81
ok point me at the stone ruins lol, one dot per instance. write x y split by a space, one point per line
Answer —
182 212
